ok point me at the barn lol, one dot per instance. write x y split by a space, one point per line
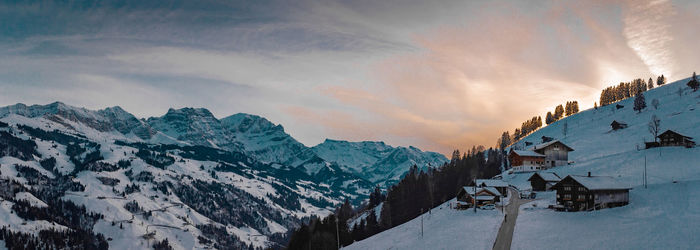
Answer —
618 125
671 138
585 193
543 181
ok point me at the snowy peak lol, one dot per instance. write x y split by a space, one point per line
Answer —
105 120
376 161
247 123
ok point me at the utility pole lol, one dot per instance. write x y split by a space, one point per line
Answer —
337 234
421 223
645 170
474 198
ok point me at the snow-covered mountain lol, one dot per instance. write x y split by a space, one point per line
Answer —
376 161
186 176
660 216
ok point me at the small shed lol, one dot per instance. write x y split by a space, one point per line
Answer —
671 138
500 185
618 125
483 195
543 181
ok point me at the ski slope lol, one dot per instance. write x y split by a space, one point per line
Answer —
443 228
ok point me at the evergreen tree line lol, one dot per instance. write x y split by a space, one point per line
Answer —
527 127
418 192
625 90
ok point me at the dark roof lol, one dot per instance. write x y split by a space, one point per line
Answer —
548 177
547 144
618 122
671 132
596 182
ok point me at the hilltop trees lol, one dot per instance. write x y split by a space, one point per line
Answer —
558 112
650 83
661 80
625 90
571 108
693 83
549 118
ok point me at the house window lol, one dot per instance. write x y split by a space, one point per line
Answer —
581 197
582 189
567 188
567 197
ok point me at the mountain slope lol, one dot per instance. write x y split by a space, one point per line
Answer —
376 161
667 202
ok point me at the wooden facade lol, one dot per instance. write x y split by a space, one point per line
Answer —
585 193
519 158
556 153
671 138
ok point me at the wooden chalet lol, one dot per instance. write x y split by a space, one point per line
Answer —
525 157
556 153
618 125
585 193
483 195
671 138
543 181
500 185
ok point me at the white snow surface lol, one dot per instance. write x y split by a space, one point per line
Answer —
661 216
443 228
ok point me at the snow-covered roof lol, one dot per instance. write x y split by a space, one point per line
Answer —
527 153
491 183
548 177
470 190
547 144
493 190
599 182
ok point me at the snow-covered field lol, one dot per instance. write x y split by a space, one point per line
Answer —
663 216
443 228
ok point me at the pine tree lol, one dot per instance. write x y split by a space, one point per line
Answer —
651 83
558 112
693 83
549 119
595 105
661 80
639 103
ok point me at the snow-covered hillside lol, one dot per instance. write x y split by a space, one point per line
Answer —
443 228
185 176
660 216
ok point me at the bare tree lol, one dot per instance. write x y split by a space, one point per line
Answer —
654 126
655 103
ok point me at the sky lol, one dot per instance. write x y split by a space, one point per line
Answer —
438 75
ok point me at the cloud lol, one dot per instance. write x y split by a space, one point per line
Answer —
438 75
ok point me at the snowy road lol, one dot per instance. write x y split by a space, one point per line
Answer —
505 233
